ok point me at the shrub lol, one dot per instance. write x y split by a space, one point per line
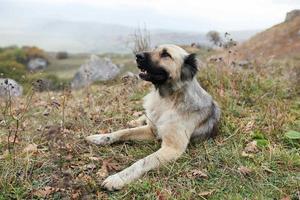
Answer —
214 37
34 52
62 55
12 69
141 40
13 54
45 82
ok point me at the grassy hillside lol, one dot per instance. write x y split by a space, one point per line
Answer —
279 41
43 153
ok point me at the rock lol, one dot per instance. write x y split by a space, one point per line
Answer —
292 14
95 69
37 64
10 87
244 63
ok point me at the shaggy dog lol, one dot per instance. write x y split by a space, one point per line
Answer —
178 109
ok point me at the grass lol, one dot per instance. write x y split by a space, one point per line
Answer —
258 104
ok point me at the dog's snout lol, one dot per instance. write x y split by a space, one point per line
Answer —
140 56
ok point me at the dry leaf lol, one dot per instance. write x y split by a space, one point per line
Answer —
110 165
75 194
251 147
89 166
249 126
268 169
207 193
244 154
44 192
12 139
245 170
103 172
107 166
197 174
221 92
69 157
31 148
94 158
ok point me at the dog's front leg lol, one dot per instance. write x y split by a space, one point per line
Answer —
139 133
168 152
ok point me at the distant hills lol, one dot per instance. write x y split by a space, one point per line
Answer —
60 35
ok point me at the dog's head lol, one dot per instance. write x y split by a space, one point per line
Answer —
166 64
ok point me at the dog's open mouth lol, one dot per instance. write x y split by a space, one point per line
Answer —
156 75
150 71
144 74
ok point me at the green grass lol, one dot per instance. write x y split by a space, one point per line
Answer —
257 104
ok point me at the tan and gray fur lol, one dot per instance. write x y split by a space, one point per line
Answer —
177 110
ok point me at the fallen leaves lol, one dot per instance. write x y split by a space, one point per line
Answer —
197 174
107 166
31 148
46 191
250 149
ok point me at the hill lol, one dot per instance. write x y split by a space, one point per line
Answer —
92 37
278 41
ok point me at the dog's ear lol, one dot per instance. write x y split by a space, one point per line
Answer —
189 68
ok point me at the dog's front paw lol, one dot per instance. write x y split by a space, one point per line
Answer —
114 182
101 139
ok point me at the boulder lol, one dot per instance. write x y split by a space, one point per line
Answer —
37 64
10 87
95 69
292 14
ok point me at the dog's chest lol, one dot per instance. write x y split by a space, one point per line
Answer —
156 107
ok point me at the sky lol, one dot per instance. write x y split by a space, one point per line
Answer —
180 15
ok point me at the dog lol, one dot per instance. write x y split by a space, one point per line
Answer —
177 110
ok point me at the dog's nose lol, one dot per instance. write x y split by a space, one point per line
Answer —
140 56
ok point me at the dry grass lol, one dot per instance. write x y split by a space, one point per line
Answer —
51 160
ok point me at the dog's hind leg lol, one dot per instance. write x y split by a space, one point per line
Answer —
139 133
171 150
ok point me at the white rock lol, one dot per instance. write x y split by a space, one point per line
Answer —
10 87
37 64
95 69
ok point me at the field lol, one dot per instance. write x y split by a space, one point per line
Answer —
43 154
66 68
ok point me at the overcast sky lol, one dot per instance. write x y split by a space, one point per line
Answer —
185 15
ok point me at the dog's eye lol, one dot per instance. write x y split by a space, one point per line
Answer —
165 54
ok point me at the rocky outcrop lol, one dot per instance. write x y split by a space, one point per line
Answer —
95 69
291 15
9 87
